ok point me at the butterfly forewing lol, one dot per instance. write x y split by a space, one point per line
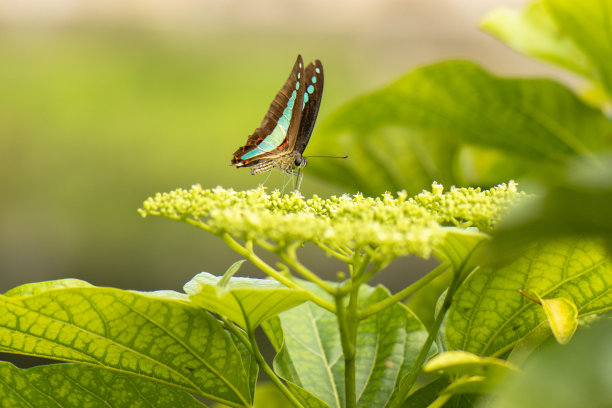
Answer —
279 129
313 91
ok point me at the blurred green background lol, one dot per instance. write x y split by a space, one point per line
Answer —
104 103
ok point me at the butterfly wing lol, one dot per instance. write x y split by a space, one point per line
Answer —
278 132
311 102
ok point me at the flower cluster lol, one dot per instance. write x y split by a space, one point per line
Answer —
387 225
482 209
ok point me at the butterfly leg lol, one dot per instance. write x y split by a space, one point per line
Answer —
298 180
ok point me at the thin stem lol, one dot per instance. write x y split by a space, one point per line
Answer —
257 261
290 259
348 339
336 254
364 277
408 380
252 343
404 293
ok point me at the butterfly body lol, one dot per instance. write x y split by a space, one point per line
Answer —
280 140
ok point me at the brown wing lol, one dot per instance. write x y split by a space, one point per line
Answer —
270 121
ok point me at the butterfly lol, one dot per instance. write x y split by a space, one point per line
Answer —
282 137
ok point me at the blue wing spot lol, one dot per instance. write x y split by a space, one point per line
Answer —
297 85
299 75
317 70
310 89
313 79
305 100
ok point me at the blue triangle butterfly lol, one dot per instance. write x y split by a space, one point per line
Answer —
281 138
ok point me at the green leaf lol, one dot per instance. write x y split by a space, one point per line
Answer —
528 344
245 301
458 245
405 135
156 335
489 316
578 374
78 385
471 374
424 396
533 31
562 316
311 353
483 370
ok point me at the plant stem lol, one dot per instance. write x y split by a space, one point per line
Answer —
257 261
290 259
408 380
333 252
261 361
407 291
347 324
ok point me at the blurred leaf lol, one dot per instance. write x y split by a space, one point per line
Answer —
243 299
425 395
574 35
575 375
489 316
405 135
528 344
458 245
471 374
155 335
578 204
460 363
533 31
78 385
562 316
311 354
587 23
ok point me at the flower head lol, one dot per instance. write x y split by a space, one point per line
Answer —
386 226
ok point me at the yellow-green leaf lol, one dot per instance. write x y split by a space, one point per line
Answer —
156 335
562 316
489 315
79 386
245 301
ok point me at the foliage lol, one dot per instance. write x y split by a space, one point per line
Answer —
517 272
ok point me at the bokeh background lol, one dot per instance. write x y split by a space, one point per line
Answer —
106 102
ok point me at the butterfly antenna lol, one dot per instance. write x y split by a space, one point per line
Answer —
332 157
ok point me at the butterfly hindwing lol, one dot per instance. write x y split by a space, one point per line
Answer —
279 129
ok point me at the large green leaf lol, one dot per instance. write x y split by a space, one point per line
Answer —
412 131
78 385
489 316
311 354
156 335
243 300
